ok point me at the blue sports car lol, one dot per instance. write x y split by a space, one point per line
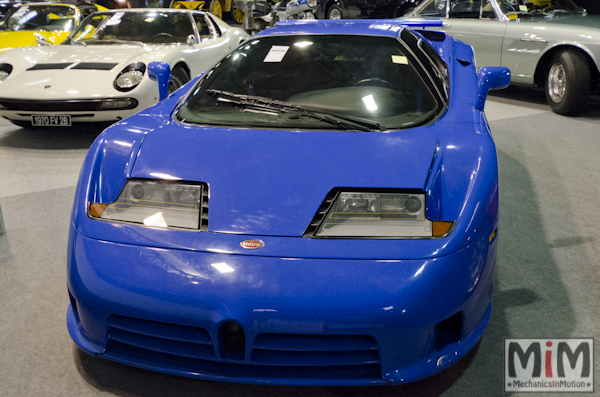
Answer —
319 208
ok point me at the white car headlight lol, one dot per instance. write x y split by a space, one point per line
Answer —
130 77
156 203
5 70
376 215
311 3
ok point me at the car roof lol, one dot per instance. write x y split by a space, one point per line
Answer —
371 27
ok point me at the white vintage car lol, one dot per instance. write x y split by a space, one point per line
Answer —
102 72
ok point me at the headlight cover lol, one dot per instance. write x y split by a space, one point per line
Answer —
157 203
130 77
5 70
348 214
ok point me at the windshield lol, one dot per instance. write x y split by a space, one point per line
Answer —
315 82
42 17
150 27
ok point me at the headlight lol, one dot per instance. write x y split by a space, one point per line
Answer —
130 77
153 203
365 214
311 3
5 70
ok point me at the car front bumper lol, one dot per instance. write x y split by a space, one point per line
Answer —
304 321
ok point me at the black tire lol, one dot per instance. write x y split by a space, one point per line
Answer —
334 12
178 78
568 83
401 10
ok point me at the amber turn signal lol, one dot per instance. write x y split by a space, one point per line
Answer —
96 209
440 228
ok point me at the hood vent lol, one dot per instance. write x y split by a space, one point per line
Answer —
95 66
50 66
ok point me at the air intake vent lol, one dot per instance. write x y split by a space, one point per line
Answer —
94 66
50 66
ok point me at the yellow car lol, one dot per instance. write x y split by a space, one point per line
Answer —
219 8
41 23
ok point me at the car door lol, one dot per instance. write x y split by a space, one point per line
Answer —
474 21
214 44
524 44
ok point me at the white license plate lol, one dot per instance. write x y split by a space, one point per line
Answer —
58 121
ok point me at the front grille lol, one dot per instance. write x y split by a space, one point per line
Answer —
151 336
315 350
76 105
185 350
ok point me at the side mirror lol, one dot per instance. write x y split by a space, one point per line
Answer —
191 40
490 78
41 40
160 72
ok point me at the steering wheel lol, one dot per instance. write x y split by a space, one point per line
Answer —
167 35
376 81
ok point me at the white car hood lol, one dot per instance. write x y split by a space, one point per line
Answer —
53 72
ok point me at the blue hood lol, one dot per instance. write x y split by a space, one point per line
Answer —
271 182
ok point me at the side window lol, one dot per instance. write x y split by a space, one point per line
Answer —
213 25
487 11
90 27
202 26
436 9
465 9
438 65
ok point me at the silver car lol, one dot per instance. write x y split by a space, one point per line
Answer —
553 44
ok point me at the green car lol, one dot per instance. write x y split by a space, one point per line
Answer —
553 44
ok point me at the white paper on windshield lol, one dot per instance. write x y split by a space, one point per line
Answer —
523 8
276 53
399 59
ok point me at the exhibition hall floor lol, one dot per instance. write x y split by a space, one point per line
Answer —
548 270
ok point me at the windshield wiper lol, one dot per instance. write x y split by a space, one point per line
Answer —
342 121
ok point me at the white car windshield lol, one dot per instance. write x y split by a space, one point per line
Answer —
41 18
151 27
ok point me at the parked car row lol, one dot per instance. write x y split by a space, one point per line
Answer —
546 43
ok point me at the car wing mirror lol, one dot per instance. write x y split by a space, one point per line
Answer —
191 40
41 40
160 72
490 78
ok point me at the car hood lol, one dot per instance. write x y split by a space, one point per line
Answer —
60 82
10 40
271 182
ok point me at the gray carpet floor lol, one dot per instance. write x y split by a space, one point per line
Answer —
548 261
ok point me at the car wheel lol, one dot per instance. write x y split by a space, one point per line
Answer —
216 8
237 15
178 78
401 10
568 83
334 12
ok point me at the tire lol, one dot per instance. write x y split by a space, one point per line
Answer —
178 78
237 15
334 12
216 8
402 10
568 83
